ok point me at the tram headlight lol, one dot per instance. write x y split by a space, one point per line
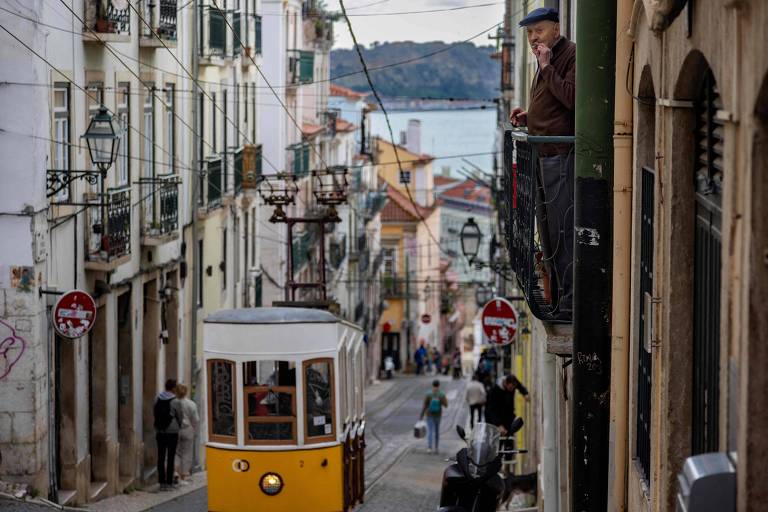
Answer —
271 484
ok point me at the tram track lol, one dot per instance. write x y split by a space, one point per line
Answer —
445 428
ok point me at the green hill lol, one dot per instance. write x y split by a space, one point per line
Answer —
463 71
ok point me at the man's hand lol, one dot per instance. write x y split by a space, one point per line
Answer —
518 116
543 54
502 430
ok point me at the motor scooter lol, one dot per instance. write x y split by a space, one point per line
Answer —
474 483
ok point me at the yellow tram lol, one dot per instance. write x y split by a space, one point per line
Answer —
285 412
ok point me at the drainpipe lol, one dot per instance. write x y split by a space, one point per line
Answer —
619 450
595 77
196 258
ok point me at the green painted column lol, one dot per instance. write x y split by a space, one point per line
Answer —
595 76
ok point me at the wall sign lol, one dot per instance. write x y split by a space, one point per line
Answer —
74 314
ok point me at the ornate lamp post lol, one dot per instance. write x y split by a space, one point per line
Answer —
103 140
470 239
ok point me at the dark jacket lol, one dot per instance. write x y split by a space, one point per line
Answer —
553 98
500 405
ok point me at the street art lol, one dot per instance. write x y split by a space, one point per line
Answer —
12 347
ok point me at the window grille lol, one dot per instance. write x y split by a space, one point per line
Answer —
707 264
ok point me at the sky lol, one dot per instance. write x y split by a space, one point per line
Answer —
450 26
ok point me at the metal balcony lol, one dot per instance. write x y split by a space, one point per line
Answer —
519 226
108 228
159 209
167 26
393 287
103 17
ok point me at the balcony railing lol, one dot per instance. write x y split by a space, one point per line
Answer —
301 66
532 262
298 159
393 287
159 206
102 16
108 223
167 26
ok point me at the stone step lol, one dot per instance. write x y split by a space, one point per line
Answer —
96 490
66 496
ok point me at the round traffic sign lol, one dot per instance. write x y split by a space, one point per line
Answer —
426 318
74 314
499 321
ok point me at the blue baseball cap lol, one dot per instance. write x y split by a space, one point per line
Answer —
540 14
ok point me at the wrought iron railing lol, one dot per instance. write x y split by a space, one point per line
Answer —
393 287
531 261
159 205
103 17
167 26
108 224
301 66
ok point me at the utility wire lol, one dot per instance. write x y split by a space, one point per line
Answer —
203 91
416 207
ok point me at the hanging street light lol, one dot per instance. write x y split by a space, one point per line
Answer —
103 139
470 239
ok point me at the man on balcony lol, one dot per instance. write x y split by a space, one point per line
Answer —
551 113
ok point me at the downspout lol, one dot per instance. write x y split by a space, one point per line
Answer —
619 449
595 79
196 257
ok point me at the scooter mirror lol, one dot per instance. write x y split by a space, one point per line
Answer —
516 425
461 432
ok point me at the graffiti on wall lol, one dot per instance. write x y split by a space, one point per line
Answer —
12 347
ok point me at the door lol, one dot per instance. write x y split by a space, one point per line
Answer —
390 347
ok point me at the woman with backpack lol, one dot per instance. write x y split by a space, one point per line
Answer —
434 403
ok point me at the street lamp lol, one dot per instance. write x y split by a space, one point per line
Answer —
483 294
470 239
103 139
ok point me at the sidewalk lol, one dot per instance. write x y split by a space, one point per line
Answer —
136 501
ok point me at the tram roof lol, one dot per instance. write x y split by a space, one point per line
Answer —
278 315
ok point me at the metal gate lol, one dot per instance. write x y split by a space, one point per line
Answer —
707 265
644 373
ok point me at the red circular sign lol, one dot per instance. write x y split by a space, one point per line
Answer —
387 326
74 314
499 320
426 318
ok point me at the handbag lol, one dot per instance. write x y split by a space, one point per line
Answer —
420 429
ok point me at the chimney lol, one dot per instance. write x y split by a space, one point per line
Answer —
413 139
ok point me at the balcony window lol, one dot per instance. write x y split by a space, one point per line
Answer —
170 126
238 39
238 161
217 32
108 221
167 26
301 66
214 176
124 120
160 196
61 133
299 159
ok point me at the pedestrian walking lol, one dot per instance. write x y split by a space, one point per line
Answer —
475 400
434 403
456 364
189 424
419 356
389 366
168 418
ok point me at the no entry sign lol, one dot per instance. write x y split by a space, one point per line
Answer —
499 320
74 314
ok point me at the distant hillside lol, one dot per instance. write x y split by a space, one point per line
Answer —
464 71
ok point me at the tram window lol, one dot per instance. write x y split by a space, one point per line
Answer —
318 382
221 404
350 382
343 407
269 391
359 383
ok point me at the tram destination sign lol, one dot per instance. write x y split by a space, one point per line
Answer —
499 321
74 314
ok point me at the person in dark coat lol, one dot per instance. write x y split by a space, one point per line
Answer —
500 404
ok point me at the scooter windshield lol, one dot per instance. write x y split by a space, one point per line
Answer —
483 444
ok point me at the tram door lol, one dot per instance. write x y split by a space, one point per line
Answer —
390 347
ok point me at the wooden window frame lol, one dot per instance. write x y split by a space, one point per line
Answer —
170 128
332 436
123 103
269 419
64 146
218 438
